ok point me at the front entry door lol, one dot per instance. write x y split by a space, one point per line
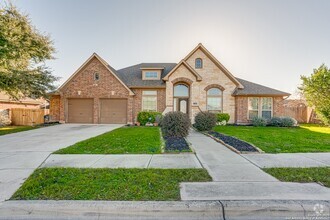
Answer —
183 105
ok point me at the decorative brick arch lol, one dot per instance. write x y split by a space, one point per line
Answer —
214 86
182 79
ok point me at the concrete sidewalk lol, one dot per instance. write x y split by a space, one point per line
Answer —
236 178
289 160
21 153
190 210
185 160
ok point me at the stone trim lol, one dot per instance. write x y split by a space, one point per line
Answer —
182 79
214 86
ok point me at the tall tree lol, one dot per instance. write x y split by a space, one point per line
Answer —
23 52
316 89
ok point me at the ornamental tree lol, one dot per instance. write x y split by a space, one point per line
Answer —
316 89
23 52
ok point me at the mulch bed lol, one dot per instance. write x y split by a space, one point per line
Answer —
176 144
234 142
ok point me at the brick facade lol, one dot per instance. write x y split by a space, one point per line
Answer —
161 97
83 85
55 106
242 109
210 74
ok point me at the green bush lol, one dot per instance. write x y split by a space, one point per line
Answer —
259 122
205 121
288 122
275 121
223 117
283 122
145 117
175 124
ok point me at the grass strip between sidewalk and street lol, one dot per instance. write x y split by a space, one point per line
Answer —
107 184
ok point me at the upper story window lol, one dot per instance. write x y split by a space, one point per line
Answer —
214 99
198 63
96 76
151 75
260 107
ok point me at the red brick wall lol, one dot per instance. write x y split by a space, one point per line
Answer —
242 108
54 107
161 100
108 86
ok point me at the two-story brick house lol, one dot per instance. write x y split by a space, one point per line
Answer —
97 93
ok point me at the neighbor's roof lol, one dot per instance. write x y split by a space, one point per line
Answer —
132 75
251 88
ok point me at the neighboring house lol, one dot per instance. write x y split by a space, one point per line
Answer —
97 93
8 103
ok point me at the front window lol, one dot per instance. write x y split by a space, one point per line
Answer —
260 107
149 100
198 63
214 99
151 75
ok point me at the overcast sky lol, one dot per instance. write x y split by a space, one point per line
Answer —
267 42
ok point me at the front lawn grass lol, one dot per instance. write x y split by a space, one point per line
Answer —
124 140
306 138
107 184
302 175
14 129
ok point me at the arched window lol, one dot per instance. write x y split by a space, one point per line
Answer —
181 90
198 63
214 100
181 98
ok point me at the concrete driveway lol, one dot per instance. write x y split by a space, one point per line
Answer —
21 153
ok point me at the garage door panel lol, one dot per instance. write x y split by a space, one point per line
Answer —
113 111
80 110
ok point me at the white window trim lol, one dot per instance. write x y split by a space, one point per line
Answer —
143 109
260 107
149 78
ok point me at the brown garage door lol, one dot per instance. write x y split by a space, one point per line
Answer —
80 110
113 111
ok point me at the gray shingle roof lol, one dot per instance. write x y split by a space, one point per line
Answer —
132 77
251 88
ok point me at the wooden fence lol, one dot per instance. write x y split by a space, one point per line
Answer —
21 116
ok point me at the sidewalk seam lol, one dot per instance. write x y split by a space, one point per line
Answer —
223 210
150 161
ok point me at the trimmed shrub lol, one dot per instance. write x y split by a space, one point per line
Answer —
4 118
145 117
223 117
259 122
205 121
283 122
275 121
289 122
175 124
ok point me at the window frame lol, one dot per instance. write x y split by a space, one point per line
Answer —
148 96
214 96
201 64
260 107
96 76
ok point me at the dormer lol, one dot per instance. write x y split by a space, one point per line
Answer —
151 73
